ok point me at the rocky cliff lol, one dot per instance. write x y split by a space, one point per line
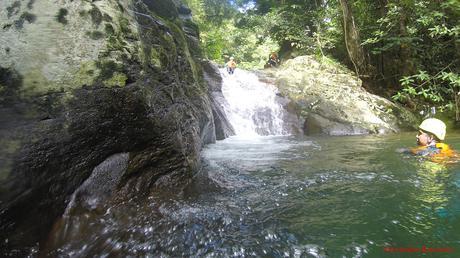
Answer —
331 100
84 81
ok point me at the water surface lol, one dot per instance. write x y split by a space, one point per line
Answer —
282 196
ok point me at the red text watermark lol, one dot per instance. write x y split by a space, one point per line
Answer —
423 249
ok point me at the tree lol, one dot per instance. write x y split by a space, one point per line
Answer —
352 39
414 44
420 39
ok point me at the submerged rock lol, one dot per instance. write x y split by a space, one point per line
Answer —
332 102
83 80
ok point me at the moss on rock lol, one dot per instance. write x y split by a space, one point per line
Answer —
96 15
181 42
117 79
86 74
155 58
108 72
13 9
26 16
124 26
10 83
107 68
61 16
109 30
35 83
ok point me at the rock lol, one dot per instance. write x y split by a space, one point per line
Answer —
93 196
223 128
95 191
293 122
332 102
319 125
81 81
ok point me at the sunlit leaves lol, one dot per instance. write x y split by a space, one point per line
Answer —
452 78
419 38
407 81
422 76
440 88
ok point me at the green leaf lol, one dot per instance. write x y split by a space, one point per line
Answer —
406 81
422 76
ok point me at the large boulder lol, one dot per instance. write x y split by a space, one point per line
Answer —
332 101
81 81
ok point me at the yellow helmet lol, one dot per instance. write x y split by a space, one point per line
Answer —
435 127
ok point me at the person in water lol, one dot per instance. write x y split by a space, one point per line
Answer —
431 133
231 66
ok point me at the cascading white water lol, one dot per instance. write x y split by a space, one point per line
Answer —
252 107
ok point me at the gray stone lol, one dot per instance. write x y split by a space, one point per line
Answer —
332 101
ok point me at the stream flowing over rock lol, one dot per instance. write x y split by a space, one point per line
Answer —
255 107
332 102
81 81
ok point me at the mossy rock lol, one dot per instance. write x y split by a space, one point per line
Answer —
109 30
165 9
87 73
61 16
117 79
155 57
96 15
95 35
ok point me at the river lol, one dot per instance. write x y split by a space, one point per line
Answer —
287 196
282 196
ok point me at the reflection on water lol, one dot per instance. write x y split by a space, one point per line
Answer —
284 197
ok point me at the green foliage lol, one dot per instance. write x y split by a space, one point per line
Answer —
440 89
416 42
288 24
251 30
304 27
223 34
413 46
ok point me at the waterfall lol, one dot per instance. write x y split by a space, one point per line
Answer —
253 107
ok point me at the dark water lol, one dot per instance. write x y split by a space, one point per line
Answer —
287 197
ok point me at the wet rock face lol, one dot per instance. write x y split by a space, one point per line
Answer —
83 80
332 101
223 128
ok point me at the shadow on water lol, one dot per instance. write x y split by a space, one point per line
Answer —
281 196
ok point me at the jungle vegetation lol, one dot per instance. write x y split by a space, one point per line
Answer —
407 50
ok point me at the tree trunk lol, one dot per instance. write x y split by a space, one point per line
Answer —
352 39
382 61
405 52
318 31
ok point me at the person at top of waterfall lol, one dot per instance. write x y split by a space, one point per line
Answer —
273 60
231 66
431 133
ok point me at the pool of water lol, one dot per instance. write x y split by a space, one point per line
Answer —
282 196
